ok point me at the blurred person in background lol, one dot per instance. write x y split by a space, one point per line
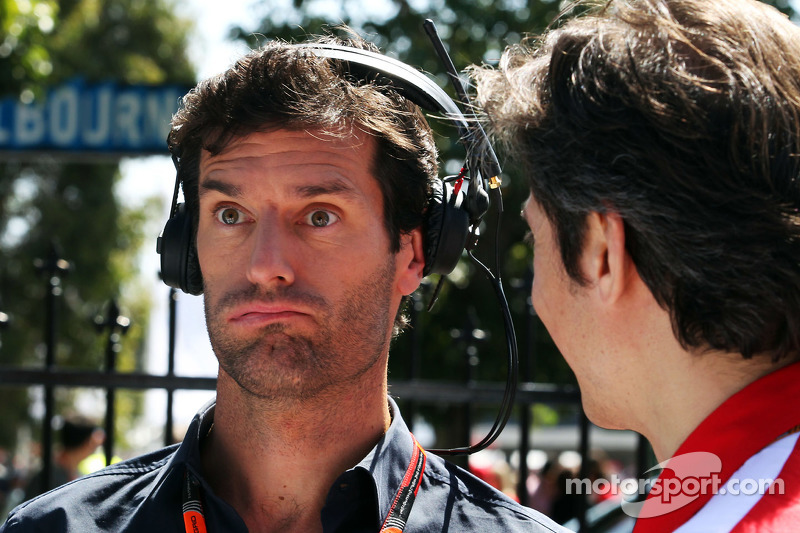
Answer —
79 437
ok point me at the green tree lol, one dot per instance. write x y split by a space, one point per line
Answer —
48 200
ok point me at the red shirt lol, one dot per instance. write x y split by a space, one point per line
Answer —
742 471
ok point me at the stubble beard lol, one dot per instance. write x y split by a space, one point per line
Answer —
350 338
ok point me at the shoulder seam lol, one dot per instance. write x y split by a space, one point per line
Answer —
516 508
123 468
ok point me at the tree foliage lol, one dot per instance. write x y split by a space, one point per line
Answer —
47 201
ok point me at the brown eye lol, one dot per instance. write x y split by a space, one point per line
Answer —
229 215
321 219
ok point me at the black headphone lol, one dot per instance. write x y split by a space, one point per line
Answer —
455 207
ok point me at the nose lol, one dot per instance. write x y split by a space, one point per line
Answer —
270 256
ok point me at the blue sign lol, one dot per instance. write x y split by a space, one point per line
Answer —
83 117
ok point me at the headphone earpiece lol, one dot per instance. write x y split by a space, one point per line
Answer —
446 229
179 266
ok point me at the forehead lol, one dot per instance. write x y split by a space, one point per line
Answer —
293 156
285 142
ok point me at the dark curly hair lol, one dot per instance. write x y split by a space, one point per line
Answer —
285 86
682 116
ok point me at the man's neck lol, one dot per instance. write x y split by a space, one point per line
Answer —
274 462
693 389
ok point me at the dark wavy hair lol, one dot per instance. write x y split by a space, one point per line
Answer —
683 116
285 86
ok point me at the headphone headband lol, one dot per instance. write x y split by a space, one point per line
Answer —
424 92
407 80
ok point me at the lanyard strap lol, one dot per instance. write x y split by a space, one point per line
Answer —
401 507
194 521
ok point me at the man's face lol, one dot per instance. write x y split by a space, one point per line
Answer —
300 287
563 307
552 289
603 328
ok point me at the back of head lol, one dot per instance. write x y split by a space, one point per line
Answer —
683 116
286 86
76 432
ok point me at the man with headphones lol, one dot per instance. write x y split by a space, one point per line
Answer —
661 141
312 210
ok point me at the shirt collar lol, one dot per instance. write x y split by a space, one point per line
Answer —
740 427
752 418
386 463
188 453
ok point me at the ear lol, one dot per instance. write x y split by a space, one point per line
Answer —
605 261
410 262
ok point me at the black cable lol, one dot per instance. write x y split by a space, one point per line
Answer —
507 404
482 164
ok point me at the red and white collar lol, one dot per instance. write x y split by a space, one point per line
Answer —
740 427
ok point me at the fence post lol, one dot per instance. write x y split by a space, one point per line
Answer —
583 472
414 360
526 370
53 268
173 320
117 326
470 335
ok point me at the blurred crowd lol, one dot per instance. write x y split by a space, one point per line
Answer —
551 484
78 452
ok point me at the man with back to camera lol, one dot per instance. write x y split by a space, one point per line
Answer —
307 192
661 139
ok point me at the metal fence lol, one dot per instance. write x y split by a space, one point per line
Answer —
413 392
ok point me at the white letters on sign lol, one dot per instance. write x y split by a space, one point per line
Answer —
101 117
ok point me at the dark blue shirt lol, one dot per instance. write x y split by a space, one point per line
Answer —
144 495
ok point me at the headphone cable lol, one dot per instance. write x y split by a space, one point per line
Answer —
507 404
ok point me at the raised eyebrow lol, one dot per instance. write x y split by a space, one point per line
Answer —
333 187
224 187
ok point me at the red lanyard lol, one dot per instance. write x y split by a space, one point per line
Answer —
401 507
194 520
